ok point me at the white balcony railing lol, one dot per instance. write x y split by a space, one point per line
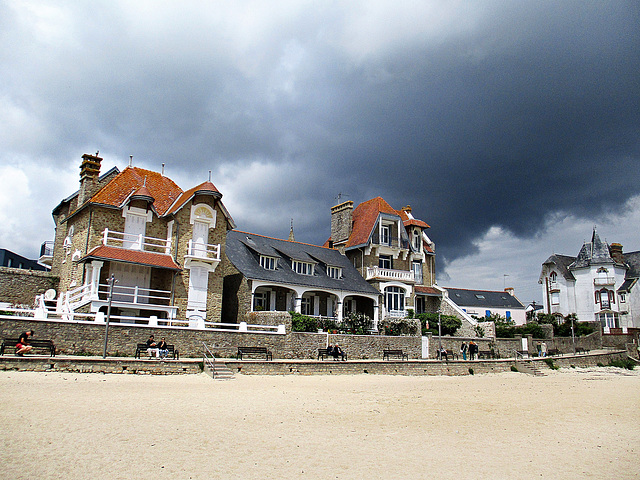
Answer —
136 295
390 274
599 281
136 242
203 251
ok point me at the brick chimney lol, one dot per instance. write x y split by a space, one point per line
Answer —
615 249
89 174
511 291
407 209
341 222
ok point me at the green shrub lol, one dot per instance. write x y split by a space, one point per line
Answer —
600 364
302 323
399 326
513 368
470 371
449 324
626 363
550 363
358 323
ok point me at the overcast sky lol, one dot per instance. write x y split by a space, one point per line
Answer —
512 128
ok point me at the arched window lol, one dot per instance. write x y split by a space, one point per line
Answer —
394 299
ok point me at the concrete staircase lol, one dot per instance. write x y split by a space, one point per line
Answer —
219 371
532 368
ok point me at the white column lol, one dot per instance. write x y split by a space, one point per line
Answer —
298 304
96 266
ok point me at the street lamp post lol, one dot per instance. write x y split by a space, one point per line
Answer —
573 336
112 280
439 335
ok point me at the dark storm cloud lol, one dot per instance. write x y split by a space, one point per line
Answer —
483 114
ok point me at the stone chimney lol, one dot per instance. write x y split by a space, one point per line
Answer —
407 209
511 291
341 222
615 249
89 174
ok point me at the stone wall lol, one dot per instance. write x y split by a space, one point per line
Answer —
20 287
306 345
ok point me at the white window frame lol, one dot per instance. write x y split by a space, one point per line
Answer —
417 240
385 234
302 268
385 258
555 298
334 272
268 263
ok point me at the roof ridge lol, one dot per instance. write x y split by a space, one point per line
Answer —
283 240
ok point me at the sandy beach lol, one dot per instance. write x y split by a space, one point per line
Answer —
573 423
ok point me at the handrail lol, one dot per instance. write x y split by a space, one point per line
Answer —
208 360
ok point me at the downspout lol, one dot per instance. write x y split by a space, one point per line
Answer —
546 284
175 259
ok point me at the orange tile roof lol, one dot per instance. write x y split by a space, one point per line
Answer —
149 259
186 196
161 188
365 216
427 290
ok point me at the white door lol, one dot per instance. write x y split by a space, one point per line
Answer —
134 227
198 279
425 347
200 238
525 344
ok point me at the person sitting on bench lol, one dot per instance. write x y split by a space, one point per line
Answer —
337 352
162 348
443 354
23 346
152 347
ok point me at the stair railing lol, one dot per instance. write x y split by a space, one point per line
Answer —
208 359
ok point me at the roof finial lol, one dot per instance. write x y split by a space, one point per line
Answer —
209 175
144 184
163 169
292 237
130 160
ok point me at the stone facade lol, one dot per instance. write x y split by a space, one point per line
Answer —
20 287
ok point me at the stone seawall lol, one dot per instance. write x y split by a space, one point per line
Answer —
20 287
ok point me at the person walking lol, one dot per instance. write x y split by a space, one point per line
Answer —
463 350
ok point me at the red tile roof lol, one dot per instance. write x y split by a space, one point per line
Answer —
149 259
205 187
131 179
365 216
427 290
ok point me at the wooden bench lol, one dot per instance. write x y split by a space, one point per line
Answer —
387 354
553 351
582 350
322 352
486 354
142 347
254 351
449 355
44 344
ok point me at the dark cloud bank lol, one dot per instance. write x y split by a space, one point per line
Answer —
532 110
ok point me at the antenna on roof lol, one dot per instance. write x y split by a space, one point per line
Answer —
292 237
97 153
130 160
339 196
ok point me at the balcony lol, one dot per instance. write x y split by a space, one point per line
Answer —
46 253
377 273
136 242
601 281
202 252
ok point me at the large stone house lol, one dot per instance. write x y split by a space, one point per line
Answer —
391 250
269 274
600 284
162 246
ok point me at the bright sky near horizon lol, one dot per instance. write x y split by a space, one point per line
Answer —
512 128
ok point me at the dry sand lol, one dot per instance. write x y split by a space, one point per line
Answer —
574 423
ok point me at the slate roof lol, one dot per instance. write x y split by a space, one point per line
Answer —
562 263
420 289
244 249
595 252
633 273
156 260
470 298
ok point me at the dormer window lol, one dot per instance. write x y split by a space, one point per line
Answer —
417 240
334 272
268 263
479 296
303 268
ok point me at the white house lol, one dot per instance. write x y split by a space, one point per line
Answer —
599 284
484 303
